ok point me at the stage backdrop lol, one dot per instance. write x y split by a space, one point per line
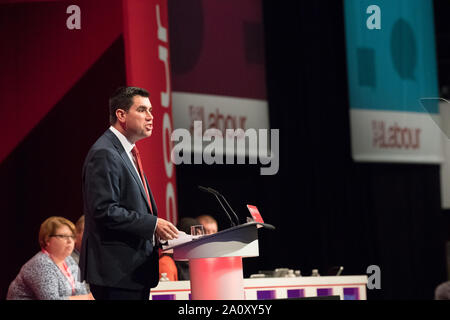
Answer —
391 61
43 67
218 65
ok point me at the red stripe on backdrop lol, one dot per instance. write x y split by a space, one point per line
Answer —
44 59
147 63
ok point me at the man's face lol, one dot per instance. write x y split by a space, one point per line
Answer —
138 121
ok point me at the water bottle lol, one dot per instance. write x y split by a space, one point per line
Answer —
164 277
315 273
290 274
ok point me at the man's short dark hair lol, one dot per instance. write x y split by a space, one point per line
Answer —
122 98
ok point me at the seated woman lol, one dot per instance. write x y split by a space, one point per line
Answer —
51 274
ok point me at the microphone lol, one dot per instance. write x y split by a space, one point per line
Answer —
215 193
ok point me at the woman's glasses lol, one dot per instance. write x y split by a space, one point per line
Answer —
63 237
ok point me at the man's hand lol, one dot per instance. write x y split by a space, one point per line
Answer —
166 230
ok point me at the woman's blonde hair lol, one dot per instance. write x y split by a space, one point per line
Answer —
49 226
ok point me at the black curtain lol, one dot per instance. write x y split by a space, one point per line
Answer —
329 210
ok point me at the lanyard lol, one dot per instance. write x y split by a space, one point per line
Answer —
65 270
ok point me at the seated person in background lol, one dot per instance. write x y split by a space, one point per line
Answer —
167 265
51 274
79 229
176 270
209 223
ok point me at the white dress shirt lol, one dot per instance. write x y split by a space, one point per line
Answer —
127 146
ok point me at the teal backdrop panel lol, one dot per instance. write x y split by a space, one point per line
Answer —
393 67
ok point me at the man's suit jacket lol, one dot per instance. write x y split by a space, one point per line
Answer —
117 250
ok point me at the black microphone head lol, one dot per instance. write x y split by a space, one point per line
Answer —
214 191
203 189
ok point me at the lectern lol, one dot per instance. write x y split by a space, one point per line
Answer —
215 261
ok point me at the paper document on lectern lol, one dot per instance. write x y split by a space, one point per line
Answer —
182 238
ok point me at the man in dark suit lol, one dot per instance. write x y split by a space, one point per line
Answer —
119 255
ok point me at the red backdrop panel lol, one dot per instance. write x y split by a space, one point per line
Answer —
147 64
42 59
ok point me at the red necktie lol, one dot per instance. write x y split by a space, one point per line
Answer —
138 163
